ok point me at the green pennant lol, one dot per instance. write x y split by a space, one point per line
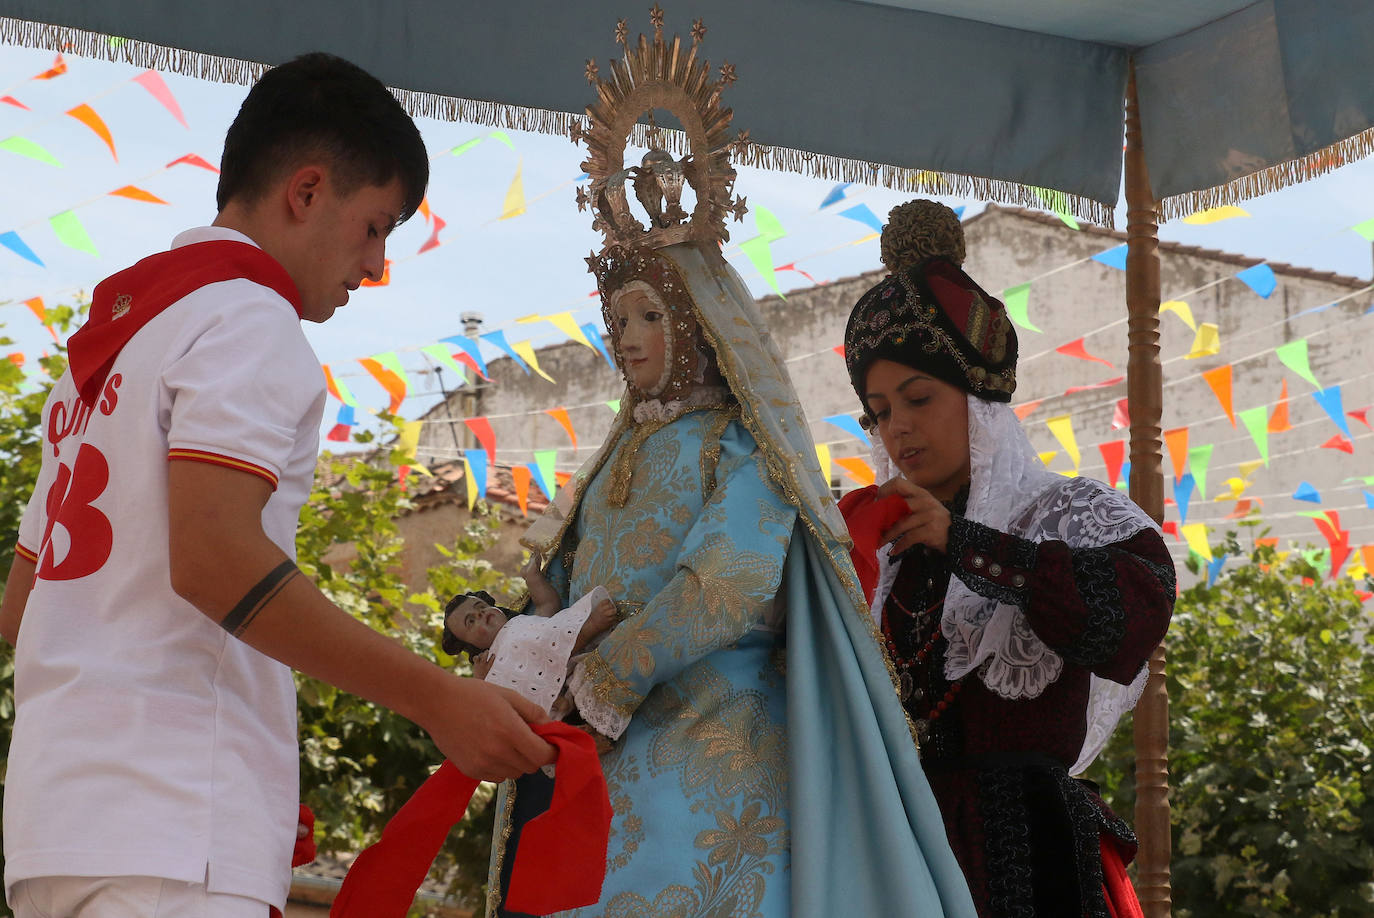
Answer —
544 458
503 137
614 405
441 353
1365 229
1198 458
25 147
1017 300
1257 422
465 146
71 233
761 256
1294 356
768 225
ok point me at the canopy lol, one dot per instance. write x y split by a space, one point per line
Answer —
983 97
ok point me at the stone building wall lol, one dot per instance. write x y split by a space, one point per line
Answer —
1071 296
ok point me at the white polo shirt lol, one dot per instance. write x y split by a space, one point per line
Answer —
147 740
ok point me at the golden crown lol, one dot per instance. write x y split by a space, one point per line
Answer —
659 75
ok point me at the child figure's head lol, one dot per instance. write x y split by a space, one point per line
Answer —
471 622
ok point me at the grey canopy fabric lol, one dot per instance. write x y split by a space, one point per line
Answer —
984 97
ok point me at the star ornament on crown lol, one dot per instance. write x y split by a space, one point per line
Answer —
658 75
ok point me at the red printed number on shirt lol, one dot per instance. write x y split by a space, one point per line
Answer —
69 503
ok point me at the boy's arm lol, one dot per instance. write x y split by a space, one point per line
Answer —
17 589
543 597
601 620
223 563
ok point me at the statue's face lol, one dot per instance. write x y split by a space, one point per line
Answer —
476 622
641 336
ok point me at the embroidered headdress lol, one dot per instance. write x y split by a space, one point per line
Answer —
930 315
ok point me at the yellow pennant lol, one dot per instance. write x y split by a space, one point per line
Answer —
515 195
1062 428
1180 309
1215 215
1046 456
823 455
1207 342
526 352
1196 536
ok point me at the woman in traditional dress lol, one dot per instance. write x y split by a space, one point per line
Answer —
757 758
1018 606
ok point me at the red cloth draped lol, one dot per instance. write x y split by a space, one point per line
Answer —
561 861
1116 885
123 303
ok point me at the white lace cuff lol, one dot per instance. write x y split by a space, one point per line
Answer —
605 719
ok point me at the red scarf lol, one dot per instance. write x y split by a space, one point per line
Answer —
123 303
560 863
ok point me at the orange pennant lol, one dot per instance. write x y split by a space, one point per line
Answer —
1220 381
87 116
1278 421
561 416
562 477
856 468
137 194
386 277
521 474
1177 442
36 307
16 358
1026 408
59 67
393 384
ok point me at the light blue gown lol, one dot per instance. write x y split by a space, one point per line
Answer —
767 768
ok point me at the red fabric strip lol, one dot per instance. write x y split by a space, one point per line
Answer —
561 861
124 302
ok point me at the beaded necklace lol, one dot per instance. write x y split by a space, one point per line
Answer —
906 681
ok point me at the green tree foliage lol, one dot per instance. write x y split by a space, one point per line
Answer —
359 763
1271 710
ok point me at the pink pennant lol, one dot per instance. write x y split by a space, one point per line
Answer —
1340 443
1171 527
11 100
1121 417
792 266
192 159
339 433
152 81
1076 349
433 241
1362 415
1105 384
839 349
485 435
1025 408
467 361
1114 455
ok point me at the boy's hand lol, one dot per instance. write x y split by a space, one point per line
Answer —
603 616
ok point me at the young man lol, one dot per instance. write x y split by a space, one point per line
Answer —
153 768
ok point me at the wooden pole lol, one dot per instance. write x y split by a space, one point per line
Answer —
1145 394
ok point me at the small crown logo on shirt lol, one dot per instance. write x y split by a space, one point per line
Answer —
122 304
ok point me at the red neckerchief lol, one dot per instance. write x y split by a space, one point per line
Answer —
123 303
560 863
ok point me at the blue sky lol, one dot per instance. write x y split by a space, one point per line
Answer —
504 269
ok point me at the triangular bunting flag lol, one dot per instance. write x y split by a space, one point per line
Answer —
1219 380
192 159
565 323
865 216
823 457
1195 534
443 355
470 478
1076 349
514 205
469 346
152 81
1113 455
1114 257
545 475
1062 428
856 468
433 241
1025 408
1330 400
137 194
1176 441
481 427
837 194
1215 215
1340 443
526 352
25 147
561 416
1293 355
87 116
498 338
1017 301
594 337
394 385
477 461
1180 309
1278 421
337 388
1121 415
1207 342
521 475
382 281
1198 459
71 233
1256 421
1362 416
850 426
1048 456
1183 495
1308 493
1260 279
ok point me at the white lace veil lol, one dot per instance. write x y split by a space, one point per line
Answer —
1012 491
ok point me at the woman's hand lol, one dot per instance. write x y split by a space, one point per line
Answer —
927 524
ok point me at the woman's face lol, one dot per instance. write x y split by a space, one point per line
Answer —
923 423
641 334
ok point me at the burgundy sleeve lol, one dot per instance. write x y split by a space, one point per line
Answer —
1104 608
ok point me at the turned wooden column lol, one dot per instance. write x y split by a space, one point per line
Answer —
1145 392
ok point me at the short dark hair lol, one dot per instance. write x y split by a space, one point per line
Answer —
322 105
452 644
